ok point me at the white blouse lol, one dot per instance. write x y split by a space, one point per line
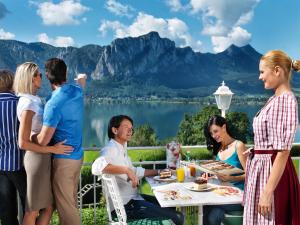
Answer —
32 103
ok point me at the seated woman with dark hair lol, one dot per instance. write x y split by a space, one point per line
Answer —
227 149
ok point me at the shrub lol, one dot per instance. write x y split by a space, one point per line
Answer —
87 216
144 135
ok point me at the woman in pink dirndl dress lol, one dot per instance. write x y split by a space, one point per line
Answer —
272 190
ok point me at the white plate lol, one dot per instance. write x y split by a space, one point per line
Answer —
190 186
170 179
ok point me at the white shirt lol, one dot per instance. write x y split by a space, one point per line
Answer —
32 103
116 154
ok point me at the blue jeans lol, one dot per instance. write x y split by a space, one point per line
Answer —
10 183
214 214
149 208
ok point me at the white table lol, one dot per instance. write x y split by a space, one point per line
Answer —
198 199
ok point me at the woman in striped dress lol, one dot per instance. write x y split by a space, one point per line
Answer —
272 191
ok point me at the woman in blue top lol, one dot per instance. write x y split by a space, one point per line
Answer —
227 149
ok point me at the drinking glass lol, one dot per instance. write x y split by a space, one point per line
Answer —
180 174
192 170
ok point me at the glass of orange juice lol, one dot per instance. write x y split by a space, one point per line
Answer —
180 174
192 170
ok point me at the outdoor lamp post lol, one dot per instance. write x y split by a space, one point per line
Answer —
223 97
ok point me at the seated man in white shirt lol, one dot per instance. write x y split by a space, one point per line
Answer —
115 160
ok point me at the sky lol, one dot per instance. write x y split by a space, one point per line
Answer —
204 25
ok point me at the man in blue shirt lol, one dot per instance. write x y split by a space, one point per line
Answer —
62 120
12 172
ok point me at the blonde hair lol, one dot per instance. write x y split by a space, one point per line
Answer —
23 78
279 58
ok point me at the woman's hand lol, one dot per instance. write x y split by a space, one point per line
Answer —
224 177
265 203
60 148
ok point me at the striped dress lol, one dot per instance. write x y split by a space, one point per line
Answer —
274 128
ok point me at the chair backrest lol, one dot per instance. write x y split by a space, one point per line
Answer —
109 181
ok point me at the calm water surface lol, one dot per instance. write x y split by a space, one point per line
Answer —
164 118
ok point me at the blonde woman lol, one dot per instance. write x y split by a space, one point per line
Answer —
37 160
272 190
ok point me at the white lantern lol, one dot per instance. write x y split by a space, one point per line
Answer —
223 97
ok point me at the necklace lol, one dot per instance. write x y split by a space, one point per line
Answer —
226 147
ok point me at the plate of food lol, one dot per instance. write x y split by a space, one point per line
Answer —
227 191
200 184
174 195
165 176
168 179
215 166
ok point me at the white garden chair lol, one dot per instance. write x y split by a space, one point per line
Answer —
111 189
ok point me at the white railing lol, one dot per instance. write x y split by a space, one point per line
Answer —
95 185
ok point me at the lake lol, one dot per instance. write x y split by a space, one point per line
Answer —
164 118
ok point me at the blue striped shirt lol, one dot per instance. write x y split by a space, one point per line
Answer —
11 157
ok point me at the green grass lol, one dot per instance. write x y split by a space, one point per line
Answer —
90 156
145 188
153 155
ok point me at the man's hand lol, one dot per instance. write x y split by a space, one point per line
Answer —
81 79
131 176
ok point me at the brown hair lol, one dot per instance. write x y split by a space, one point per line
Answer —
279 58
6 80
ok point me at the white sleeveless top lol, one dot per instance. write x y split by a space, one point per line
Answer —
32 103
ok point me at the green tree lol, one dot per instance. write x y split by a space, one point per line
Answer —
191 127
144 135
239 125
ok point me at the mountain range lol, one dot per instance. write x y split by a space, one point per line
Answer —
145 66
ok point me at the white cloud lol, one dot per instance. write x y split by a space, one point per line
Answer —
175 5
119 9
63 13
219 16
6 35
118 28
173 29
59 41
238 36
222 20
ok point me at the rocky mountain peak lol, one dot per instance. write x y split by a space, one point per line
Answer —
146 65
